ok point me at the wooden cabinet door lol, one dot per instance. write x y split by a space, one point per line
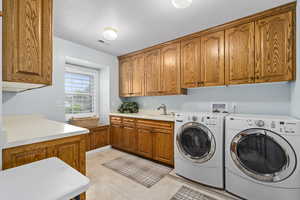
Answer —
125 77
133 140
145 143
170 69
138 81
27 41
212 59
190 63
20 156
129 139
274 48
69 153
126 134
163 147
100 137
116 135
239 59
152 73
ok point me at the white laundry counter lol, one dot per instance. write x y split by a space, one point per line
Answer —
49 179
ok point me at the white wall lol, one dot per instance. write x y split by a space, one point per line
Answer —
49 101
295 88
271 98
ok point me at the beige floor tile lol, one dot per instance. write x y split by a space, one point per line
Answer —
109 185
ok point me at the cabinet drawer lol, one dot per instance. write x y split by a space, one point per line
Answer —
129 122
115 120
154 124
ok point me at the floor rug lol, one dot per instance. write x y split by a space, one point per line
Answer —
185 193
139 170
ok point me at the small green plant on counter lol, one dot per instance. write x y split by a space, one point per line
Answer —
129 107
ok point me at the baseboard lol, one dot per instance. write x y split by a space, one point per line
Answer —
99 150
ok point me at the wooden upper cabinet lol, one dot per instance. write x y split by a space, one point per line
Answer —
27 41
125 77
255 49
170 69
212 59
190 63
152 73
132 76
137 86
239 51
274 48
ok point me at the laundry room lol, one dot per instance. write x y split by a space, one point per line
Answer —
152 100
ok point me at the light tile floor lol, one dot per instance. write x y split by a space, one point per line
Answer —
109 185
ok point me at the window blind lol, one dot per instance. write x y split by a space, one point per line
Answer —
80 92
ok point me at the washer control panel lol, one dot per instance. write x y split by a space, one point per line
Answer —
203 118
260 123
283 127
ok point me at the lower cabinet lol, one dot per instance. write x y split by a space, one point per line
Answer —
145 143
148 138
129 138
97 138
70 149
163 146
116 133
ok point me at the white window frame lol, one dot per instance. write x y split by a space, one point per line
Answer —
88 71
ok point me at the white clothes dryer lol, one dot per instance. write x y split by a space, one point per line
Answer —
262 157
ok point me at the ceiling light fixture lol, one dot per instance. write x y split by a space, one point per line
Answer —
110 33
182 3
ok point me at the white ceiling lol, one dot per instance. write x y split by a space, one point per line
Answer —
143 23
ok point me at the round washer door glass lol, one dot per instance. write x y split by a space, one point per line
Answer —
196 142
263 155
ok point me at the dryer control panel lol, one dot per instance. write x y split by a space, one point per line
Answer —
278 126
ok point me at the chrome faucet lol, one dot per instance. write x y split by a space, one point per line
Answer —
164 107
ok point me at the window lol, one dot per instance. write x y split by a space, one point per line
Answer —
81 86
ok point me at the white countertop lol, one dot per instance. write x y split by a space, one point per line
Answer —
29 129
145 115
49 179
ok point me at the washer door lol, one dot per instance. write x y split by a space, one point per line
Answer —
263 155
196 142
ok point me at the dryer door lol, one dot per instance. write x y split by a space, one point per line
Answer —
196 142
263 155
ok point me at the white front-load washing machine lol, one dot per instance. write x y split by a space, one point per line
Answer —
262 157
199 147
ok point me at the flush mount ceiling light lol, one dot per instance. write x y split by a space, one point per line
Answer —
110 33
182 3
